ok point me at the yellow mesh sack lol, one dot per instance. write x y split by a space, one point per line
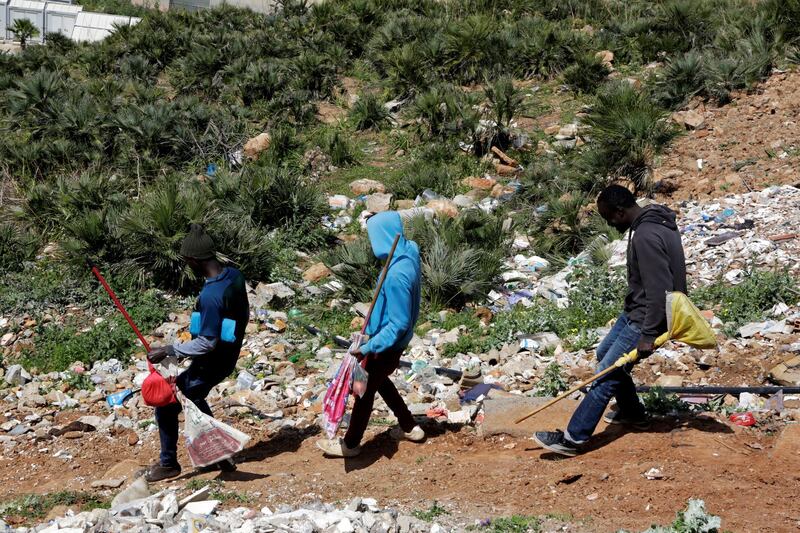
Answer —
685 324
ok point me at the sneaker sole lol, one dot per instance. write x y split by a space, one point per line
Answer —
559 451
643 426
338 455
399 438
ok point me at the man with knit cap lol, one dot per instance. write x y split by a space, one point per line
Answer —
390 327
217 327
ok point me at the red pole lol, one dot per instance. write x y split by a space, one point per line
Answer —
116 301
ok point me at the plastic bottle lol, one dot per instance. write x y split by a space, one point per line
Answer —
245 380
725 215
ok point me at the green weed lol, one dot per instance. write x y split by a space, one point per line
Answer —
431 514
553 381
657 402
33 507
749 300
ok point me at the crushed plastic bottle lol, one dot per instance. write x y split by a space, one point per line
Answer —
245 380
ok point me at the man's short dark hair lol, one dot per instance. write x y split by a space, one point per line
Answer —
616 197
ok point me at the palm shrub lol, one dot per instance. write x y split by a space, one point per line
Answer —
152 231
369 113
462 258
474 48
681 79
283 199
24 30
407 68
341 150
90 208
17 245
356 266
505 102
628 131
564 227
421 175
539 47
587 74
446 112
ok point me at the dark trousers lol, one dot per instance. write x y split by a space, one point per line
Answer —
379 367
622 338
195 384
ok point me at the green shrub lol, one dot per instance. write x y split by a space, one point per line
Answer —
749 300
553 381
658 402
628 131
356 266
586 74
681 79
16 246
421 175
369 113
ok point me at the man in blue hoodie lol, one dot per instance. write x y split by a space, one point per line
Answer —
390 329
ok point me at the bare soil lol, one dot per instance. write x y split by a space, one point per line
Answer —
748 476
749 144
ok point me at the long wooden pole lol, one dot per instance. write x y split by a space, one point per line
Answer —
567 393
381 279
629 357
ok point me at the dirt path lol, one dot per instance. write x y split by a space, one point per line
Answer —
748 477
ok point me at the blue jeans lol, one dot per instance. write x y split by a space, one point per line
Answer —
622 338
195 385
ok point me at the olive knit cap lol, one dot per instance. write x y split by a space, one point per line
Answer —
198 244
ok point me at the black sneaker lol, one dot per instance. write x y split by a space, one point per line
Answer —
158 472
556 443
224 466
618 417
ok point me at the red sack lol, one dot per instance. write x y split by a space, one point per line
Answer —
157 391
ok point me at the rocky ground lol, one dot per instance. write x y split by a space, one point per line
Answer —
59 432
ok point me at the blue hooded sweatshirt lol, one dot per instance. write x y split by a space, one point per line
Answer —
391 325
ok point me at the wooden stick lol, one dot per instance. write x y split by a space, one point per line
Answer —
505 158
565 394
380 284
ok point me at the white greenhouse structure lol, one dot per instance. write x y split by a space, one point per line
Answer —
59 17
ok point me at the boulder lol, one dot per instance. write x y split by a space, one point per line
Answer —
16 375
367 186
787 373
484 184
552 130
316 273
669 381
266 292
256 145
568 131
379 202
444 208
691 119
606 56
463 201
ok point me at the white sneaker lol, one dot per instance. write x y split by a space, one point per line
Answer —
337 448
415 435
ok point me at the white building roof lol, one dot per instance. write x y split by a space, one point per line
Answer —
59 7
27 5
97 26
